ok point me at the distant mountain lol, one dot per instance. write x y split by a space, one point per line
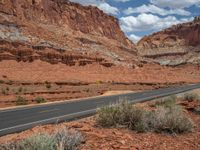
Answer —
176 45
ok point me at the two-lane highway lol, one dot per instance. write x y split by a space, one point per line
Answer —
20 119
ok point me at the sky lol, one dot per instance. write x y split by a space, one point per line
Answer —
138 18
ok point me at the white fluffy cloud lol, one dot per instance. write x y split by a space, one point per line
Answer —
107 8
147 22
122 0
134 38
175 3
155 10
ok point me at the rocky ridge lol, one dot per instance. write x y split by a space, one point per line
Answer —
179 44
60 31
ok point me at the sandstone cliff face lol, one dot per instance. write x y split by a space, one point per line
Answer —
61 31
176 45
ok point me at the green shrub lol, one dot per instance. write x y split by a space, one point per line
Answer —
170 120
39 142
40 100
21 101
108 116
1 81
191 97
166 118
166 102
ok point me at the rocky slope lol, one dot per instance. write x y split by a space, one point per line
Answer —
177 45
61 31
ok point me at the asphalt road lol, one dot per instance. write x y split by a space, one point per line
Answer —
19 119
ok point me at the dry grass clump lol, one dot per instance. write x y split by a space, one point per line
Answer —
60 140
166 118
191 97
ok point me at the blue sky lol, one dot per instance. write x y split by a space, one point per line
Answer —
143 17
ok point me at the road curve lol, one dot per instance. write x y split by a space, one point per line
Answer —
19 119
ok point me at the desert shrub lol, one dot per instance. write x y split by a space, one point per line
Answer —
139 120
99 82
197 110
40 100
39 142
166 118
21 101
10 146
66 140
108 116
20 89
1 81
191 97
166 102
170 120
7 89
4 92
10 82
48 84
63 139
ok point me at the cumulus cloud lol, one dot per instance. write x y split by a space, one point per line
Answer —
107 8
155 10
121 0
175 3
134 38
147 22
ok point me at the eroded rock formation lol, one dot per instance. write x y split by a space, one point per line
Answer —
176 45
61 31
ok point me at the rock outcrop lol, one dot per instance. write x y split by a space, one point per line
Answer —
61 31
179 44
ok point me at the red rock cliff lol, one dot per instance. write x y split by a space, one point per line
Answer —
176 45
43 29
186 34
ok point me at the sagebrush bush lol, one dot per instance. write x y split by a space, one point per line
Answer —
166 102
10 146
108 116
170 120
40 100
191 97
166 118
66 140
39 142
60 140
21 101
